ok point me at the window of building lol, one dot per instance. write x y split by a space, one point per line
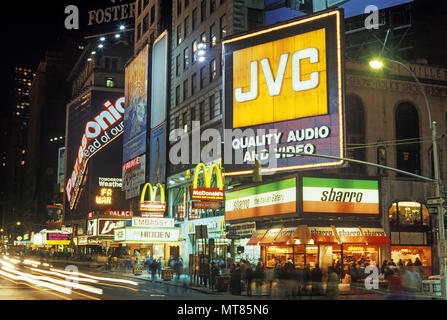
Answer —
179 34
203 37
408 213
407 130
107 63
185 89
213 37
355 133
193 116
202 11
177 95
185 58
146 2
138 31
184 122
255 18
212 106
110 83
194 51
139 7
202 112
145 23
223 27
212 6
152 14
114 64
177 122
202 77
185 27
213 70
193 83
194 19
177 65
186 3
179 7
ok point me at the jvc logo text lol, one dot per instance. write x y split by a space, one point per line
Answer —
274 85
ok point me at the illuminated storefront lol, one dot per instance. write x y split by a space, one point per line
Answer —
411 234
150 237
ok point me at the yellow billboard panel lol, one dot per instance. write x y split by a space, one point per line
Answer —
280 80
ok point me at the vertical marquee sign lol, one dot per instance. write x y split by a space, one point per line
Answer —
287 78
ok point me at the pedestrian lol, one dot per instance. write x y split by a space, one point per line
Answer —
148 264
409 263
332 284
205 271
128 265
317 278
384 266
159 266
171 262
153 267
249 276
418 262
260 276
179 267
395 286
307 278
298 282
270 279
235 280
213 275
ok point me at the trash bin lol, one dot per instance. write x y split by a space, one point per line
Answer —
166 274
432 288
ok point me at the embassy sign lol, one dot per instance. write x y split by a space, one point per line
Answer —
287 78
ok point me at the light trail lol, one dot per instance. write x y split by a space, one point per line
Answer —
65 276
98 278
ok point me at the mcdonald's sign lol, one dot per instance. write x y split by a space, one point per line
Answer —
152 205
207 192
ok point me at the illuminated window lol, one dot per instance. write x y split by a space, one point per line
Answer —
407 213
110 83
23 151
22 163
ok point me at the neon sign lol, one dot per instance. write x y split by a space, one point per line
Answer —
99 132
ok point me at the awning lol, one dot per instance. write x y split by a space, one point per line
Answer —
271 234
256 237
322 235
375 236
285 237
339 235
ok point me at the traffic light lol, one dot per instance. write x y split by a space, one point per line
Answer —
257 176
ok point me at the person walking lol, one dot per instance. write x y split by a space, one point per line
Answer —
260 276
179 267
148 264
317 277
235 280
153 268
299 275
249 276
332 284
307 278
213 275
270 280
159 266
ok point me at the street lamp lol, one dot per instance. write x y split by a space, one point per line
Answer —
378 64
19 223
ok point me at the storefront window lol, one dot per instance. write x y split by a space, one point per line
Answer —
311 256
408 213
405 254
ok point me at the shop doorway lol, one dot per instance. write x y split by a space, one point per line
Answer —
174 251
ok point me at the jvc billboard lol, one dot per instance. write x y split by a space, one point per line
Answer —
285 84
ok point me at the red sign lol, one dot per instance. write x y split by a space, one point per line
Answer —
203 193
152 214
119 213
149 206
206 205
57 236
131 163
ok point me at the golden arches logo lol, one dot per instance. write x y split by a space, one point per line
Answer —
207 175
152 194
